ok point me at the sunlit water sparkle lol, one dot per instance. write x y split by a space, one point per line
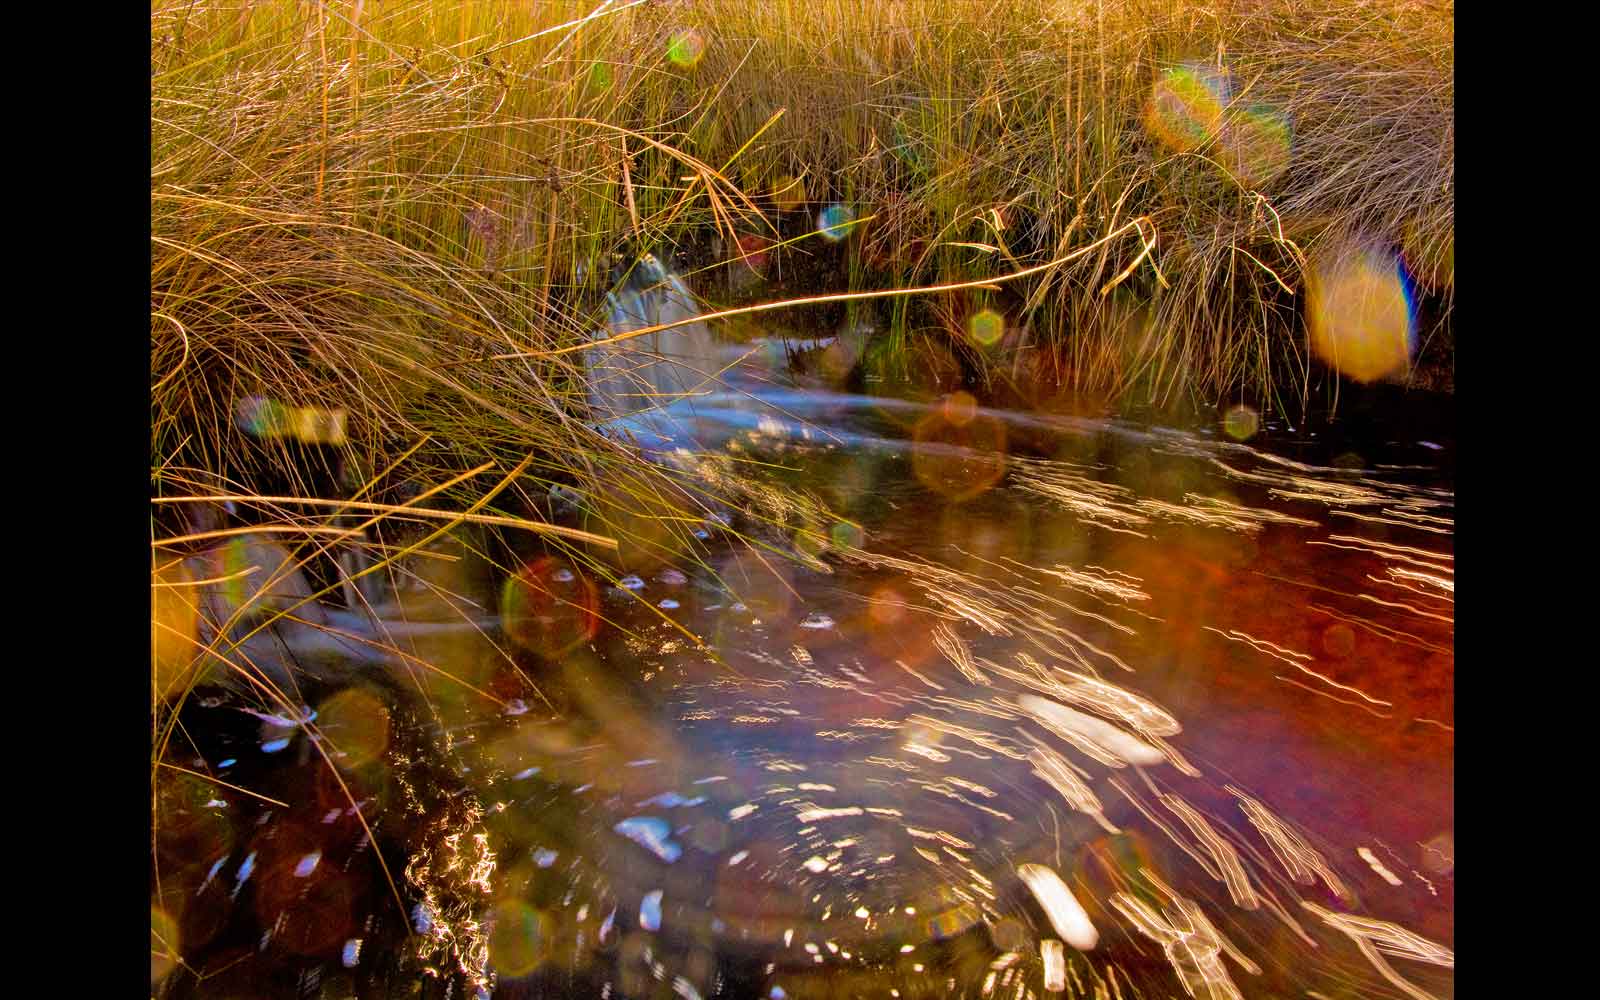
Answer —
1171 698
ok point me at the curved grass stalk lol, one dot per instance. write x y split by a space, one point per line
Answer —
814 300
401 509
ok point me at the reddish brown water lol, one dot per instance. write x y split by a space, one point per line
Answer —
840 792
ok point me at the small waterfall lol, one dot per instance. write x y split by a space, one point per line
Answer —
648 385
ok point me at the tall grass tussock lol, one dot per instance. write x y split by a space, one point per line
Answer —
382 233
380 230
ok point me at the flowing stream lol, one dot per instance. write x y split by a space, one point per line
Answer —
1058 706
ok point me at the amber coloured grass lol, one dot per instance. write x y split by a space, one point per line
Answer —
405 212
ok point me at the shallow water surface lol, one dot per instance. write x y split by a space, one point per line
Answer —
1057 706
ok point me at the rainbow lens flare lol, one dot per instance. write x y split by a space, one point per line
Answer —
356 723
835 222
686 48
1241 423
1359 311
550 608
959 461
263 418
986 327
270 419
1185 108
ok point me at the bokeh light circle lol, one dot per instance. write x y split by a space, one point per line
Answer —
959 408
550 607
834 222
356 723
518 941
752 250
1338 641
686 48
1241 423
838 360
761 587
300 891
187 826
1439 853
962 461
986 327
886 605
164 944
810 543
1185 106
1359 313
1008 934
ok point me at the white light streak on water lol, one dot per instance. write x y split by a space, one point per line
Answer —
245 868
1054 770
650 911
1054 956
1222 852
213 872
653 834
683 988
815 813
1378 866
1066 914
1098 732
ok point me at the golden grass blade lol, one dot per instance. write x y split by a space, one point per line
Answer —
812 300
400 510
224 784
